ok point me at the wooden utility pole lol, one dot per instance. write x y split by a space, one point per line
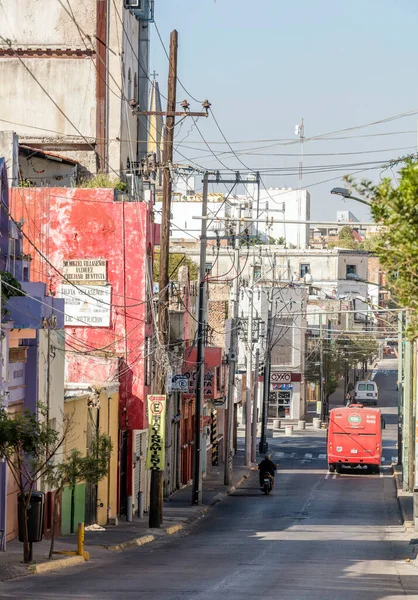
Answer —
157 477
200 363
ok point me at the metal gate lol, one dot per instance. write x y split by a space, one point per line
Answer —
139 453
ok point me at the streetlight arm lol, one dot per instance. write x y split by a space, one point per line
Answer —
347 194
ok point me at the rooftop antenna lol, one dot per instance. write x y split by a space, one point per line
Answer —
300 131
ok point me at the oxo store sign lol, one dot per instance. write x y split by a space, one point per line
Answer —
280 377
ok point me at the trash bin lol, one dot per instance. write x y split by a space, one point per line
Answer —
34 516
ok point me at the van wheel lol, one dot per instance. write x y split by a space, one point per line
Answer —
339 469
331 468
376 470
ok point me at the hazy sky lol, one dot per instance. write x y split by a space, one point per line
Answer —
266 65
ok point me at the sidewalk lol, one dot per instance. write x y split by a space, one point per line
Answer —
178 513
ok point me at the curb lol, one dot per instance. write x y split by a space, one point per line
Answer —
401 494
139 541
56 565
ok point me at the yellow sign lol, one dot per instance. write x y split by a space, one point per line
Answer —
156 436
318 408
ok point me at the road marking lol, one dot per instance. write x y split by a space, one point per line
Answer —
308 455
381 473
334 476
322 456
383 459
327 475
395 460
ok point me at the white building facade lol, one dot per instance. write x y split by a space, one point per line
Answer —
68 72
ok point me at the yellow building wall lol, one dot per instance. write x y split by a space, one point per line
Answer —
108 416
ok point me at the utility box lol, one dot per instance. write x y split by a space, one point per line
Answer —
34 516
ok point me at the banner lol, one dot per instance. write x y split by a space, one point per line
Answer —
156 437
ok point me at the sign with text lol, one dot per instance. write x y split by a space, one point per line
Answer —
179 383
156 436
91 271
280 377
86 305
208 381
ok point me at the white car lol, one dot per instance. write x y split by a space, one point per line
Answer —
366 392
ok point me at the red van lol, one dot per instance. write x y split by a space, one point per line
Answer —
354 438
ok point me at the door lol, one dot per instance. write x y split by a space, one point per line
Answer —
123 472
90 512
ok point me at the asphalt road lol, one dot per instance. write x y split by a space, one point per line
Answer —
317 537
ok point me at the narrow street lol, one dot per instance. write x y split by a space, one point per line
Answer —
319 536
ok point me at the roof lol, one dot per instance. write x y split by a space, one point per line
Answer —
29 152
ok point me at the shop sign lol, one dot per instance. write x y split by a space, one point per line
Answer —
156 435
90 271
280 377
86 305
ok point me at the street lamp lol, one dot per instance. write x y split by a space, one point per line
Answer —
347 194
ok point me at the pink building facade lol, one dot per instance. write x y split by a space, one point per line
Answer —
96 250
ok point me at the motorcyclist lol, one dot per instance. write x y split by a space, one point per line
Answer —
267 466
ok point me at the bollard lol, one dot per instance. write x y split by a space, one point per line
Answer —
316 423
129 509
80 539
301 424
288 430
140 504
276 423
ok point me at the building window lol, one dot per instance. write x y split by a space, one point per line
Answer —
305 268
351 270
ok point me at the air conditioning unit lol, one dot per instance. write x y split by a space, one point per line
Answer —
143 10
138 4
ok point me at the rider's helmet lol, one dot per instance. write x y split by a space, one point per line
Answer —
268 456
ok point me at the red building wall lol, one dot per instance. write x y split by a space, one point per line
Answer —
71 223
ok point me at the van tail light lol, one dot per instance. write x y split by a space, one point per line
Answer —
377 446
330 446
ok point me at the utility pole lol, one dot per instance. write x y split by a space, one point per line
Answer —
408 417
255 402
232 359
400 385
249 378
321 367
157 477
200 364
263 446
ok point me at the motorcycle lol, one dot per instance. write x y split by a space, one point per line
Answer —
267 483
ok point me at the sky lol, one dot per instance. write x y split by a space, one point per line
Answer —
266 65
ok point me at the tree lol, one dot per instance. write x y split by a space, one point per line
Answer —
29 445
337 354
395 209
345 239
175 261
75 468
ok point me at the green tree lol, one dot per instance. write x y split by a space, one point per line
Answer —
395 209
337 354
345 239
175 261
29 446
76 468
